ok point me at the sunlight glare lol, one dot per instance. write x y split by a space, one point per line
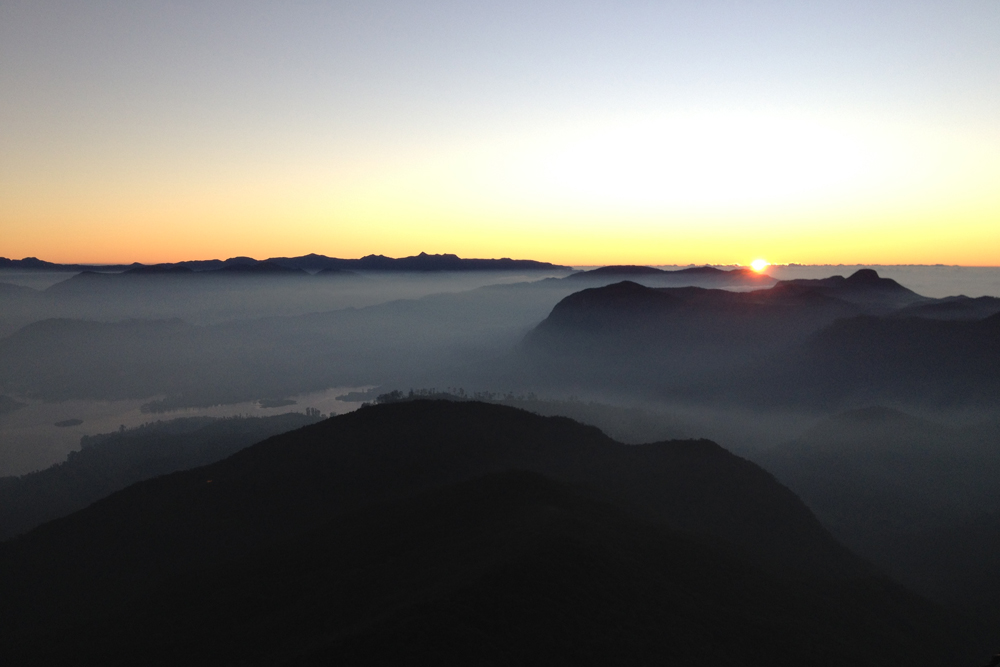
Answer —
705 160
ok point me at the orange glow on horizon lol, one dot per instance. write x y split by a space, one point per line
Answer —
120 148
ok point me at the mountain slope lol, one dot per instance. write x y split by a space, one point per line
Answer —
343 540
869 359
110 462
864 286
512 568
289 482
627 334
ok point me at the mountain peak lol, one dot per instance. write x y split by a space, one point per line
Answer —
865 276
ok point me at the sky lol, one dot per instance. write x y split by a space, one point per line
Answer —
577 132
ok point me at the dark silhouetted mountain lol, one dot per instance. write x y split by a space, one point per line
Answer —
616 271
812 341
26 263
916 360
269 267
425 262
512 568
627 334
199 265
701 276
382 453
235 265
110 462
338 273
33 263
311 262
864 286
159 269
396 533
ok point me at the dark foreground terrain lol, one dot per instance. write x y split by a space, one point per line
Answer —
459 533
109 462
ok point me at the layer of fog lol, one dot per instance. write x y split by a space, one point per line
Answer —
276 337
212 299
31 440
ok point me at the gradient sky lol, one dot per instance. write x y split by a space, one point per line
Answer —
570 131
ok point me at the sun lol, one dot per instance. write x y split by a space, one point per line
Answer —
759 265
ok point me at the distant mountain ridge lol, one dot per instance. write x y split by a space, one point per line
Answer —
311 262
706 276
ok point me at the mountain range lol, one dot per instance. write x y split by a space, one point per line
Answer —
311 262
825 342
703 276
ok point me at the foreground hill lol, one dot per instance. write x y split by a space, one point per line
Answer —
109 462
394 533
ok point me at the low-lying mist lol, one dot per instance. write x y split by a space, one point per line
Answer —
694 347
